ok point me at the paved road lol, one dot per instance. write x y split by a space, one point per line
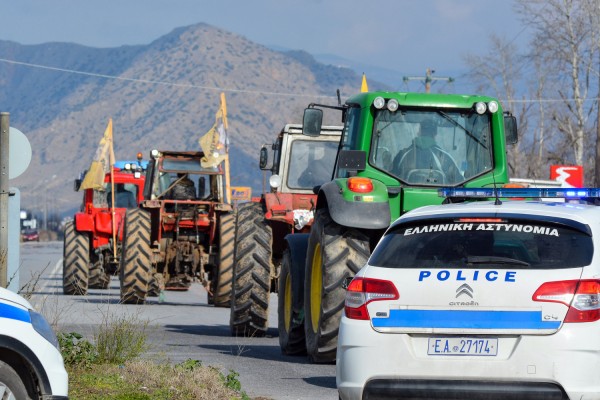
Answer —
181 327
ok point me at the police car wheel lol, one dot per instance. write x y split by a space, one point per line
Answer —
11 385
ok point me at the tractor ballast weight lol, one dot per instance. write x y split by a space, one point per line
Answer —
90 254
397 150
266 226
182 231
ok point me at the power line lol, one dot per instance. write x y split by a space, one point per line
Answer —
221 89
156 82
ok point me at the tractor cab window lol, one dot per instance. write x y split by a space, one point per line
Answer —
311 163
125 195
434 147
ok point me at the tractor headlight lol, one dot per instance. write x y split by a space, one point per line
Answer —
378 103
275 181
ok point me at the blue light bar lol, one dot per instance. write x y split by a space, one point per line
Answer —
139 164
560 193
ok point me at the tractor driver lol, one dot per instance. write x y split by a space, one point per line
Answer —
424 161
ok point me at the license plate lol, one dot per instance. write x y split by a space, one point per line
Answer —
462 346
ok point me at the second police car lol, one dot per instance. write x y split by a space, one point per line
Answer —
31 366
478 300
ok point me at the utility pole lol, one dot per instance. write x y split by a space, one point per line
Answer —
428 78
4 176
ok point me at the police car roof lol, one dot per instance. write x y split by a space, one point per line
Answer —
583 213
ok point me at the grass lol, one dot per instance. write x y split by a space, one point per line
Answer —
113 367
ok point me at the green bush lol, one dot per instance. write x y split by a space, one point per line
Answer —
77 351
121 339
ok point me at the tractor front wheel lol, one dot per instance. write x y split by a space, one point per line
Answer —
334 254
290 321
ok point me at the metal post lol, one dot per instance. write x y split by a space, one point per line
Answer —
4 154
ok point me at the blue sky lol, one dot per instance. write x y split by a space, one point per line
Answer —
406 36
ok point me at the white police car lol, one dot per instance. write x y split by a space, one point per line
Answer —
478 300
31 366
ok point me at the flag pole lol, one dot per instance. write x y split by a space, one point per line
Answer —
227 175
111 162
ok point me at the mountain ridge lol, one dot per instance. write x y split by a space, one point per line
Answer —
162 95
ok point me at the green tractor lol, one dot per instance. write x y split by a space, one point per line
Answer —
396 151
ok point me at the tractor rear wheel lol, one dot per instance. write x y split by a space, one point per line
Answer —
290 322
334 254
223 276
76 261
252 272
135 269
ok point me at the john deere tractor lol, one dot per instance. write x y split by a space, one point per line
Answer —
396 150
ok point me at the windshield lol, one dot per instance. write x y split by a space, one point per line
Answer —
451 244
435 147
311 163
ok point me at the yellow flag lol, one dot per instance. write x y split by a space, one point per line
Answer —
215 143
364 87
102 162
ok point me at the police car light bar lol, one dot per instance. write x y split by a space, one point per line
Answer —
560 193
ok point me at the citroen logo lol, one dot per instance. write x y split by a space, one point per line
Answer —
464 289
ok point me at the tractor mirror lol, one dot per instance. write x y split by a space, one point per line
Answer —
312 121
76 185
510 129
264 158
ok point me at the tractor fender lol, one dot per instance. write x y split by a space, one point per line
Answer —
355 214
84 222
297 243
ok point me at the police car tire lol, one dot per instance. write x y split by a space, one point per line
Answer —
343 252
76 250
223 277
251 276
11 384
135 269
292 341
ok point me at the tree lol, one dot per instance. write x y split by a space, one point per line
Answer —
565 43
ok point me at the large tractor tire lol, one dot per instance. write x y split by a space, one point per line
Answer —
252 272
135 271
290 321
76 261
334 254
223 275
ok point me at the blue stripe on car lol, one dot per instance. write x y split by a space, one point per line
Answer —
11 312
465 319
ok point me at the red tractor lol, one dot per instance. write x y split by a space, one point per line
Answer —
183 230
268 227
90 252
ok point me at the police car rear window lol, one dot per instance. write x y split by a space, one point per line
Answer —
473 243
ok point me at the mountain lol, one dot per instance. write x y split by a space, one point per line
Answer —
162 95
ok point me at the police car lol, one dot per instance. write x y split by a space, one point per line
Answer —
31 366
479 300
